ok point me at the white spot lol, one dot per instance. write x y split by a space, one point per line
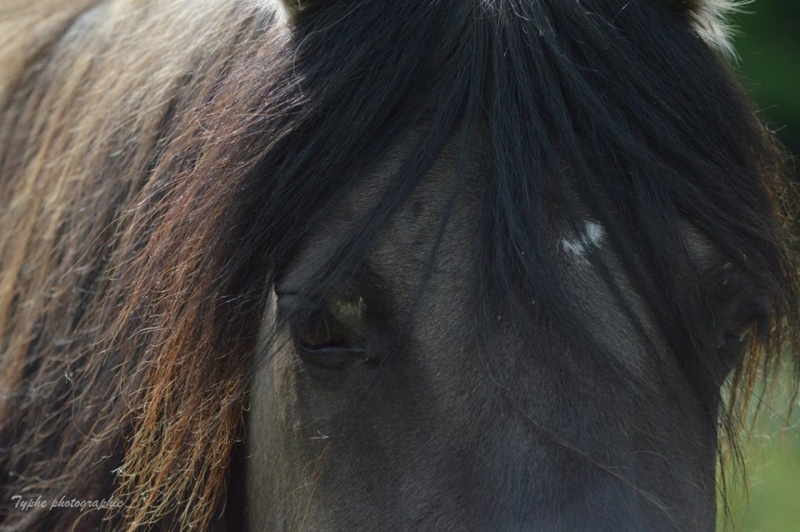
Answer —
592 235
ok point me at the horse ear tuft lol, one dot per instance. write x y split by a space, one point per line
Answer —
711 20
290 8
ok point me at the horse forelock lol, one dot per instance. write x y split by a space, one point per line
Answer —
189 143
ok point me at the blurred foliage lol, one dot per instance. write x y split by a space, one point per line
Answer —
768 499
768 43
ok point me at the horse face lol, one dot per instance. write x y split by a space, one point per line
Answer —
533 335
377 406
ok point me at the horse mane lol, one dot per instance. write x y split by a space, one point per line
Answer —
160 162
89 164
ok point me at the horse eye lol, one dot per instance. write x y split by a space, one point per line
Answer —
753 318
740 331
322 332
325 343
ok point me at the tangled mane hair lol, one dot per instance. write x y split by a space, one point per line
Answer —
159 162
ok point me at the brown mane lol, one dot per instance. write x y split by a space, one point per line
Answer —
102 315
129 307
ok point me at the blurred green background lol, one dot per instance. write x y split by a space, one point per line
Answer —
768 43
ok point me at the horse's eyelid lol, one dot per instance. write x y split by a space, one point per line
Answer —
297 305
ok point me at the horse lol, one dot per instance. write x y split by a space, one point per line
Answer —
361 265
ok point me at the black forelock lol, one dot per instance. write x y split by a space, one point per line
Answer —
613 108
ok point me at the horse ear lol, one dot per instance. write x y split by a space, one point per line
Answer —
290 8
710 19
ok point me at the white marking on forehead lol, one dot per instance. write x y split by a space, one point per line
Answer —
592 235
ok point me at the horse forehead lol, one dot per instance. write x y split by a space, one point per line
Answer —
623 328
